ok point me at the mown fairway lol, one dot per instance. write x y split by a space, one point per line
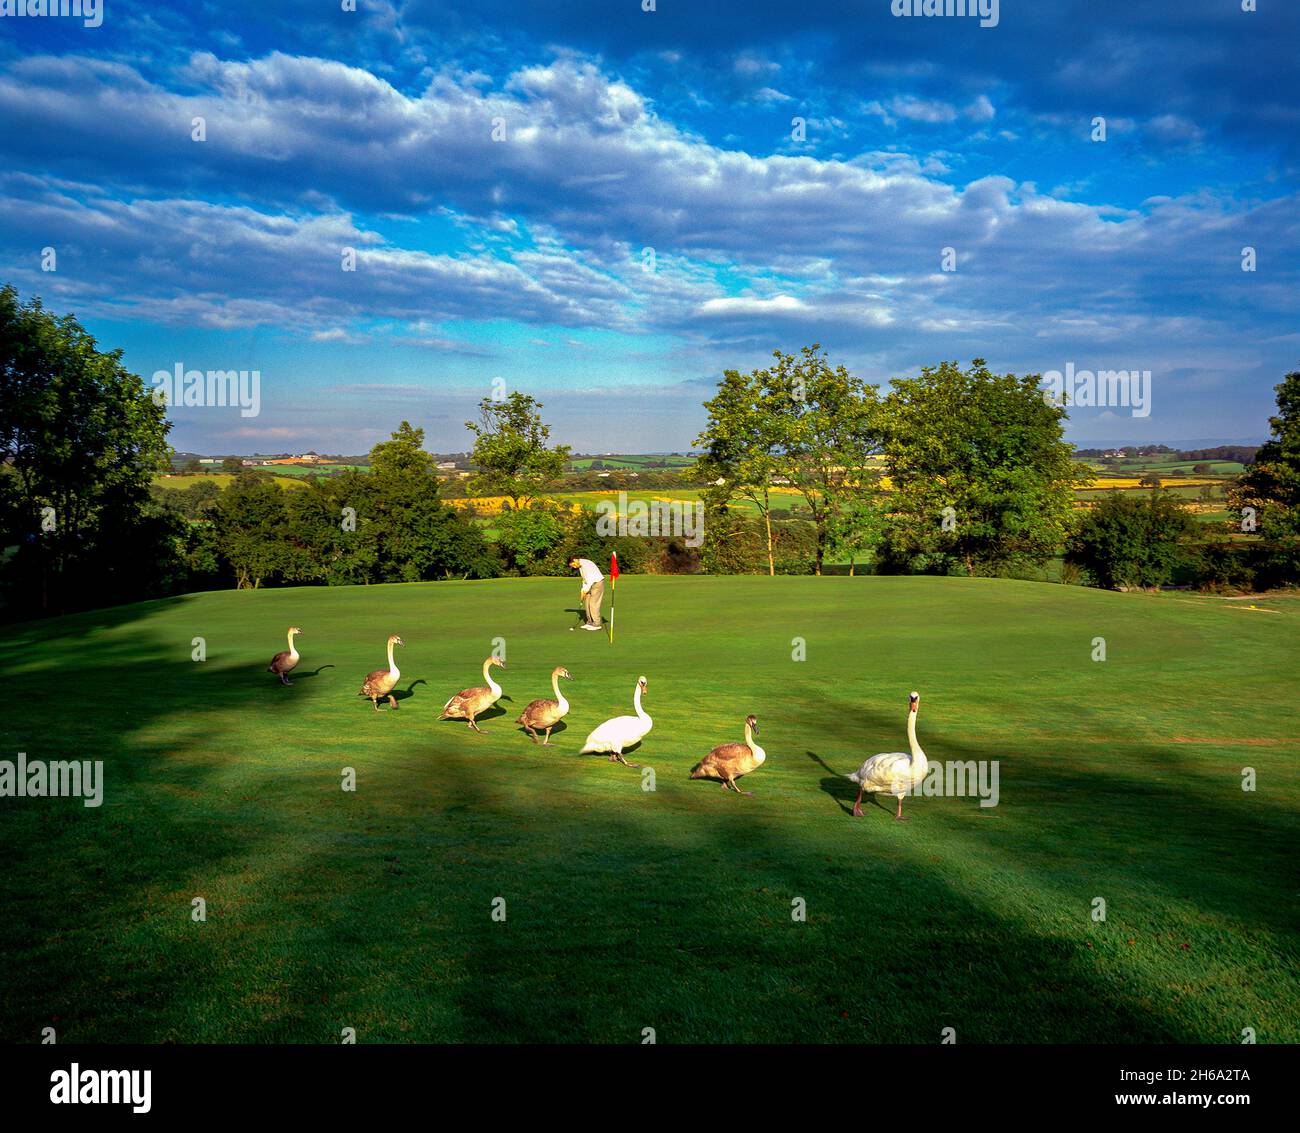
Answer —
669 909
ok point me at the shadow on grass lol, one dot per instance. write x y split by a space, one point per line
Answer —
409 691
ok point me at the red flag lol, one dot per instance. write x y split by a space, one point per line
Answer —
613 564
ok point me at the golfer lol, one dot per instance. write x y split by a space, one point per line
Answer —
593 590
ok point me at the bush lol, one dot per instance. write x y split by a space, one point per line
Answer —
1127 542
1226 568
526 537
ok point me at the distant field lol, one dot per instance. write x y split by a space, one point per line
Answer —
220 479
640 461
1164 467
308 469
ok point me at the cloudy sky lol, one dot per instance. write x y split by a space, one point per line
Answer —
606 207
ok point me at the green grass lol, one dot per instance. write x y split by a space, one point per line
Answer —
1165 466
668 909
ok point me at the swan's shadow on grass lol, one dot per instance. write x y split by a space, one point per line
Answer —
295 677
408 692
493 713
842 789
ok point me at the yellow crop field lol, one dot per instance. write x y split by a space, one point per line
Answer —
1104 482
495 505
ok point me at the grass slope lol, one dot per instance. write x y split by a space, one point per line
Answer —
668 909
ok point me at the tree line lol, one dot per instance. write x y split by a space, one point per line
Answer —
957 470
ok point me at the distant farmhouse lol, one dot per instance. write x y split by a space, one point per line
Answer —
301 458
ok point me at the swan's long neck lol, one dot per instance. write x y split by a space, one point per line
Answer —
293 651
559 696
487 676
636 699
917 753
392 664
757 752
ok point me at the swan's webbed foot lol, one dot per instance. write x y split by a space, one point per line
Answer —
393 701
857 810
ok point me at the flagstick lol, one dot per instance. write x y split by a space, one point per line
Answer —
613 592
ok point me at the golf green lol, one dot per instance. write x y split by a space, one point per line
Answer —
481 888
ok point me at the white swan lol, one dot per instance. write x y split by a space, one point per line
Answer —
622 731
893 772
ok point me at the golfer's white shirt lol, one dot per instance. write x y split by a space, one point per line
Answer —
590 574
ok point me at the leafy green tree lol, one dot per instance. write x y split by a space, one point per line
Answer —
250 528
980 472
1132 540
196 501
1270 487
332 524
232 465
418 536
802 421
741 448
831 427
80 441
510 450
525 536
859 528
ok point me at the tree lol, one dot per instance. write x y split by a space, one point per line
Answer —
1150 480
800 420
232 465
250 526
1131 540
418 536
510 449
859 528
979 468
740 447
1270 487
80 442
525 535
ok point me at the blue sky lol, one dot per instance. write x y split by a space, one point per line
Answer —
522 256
